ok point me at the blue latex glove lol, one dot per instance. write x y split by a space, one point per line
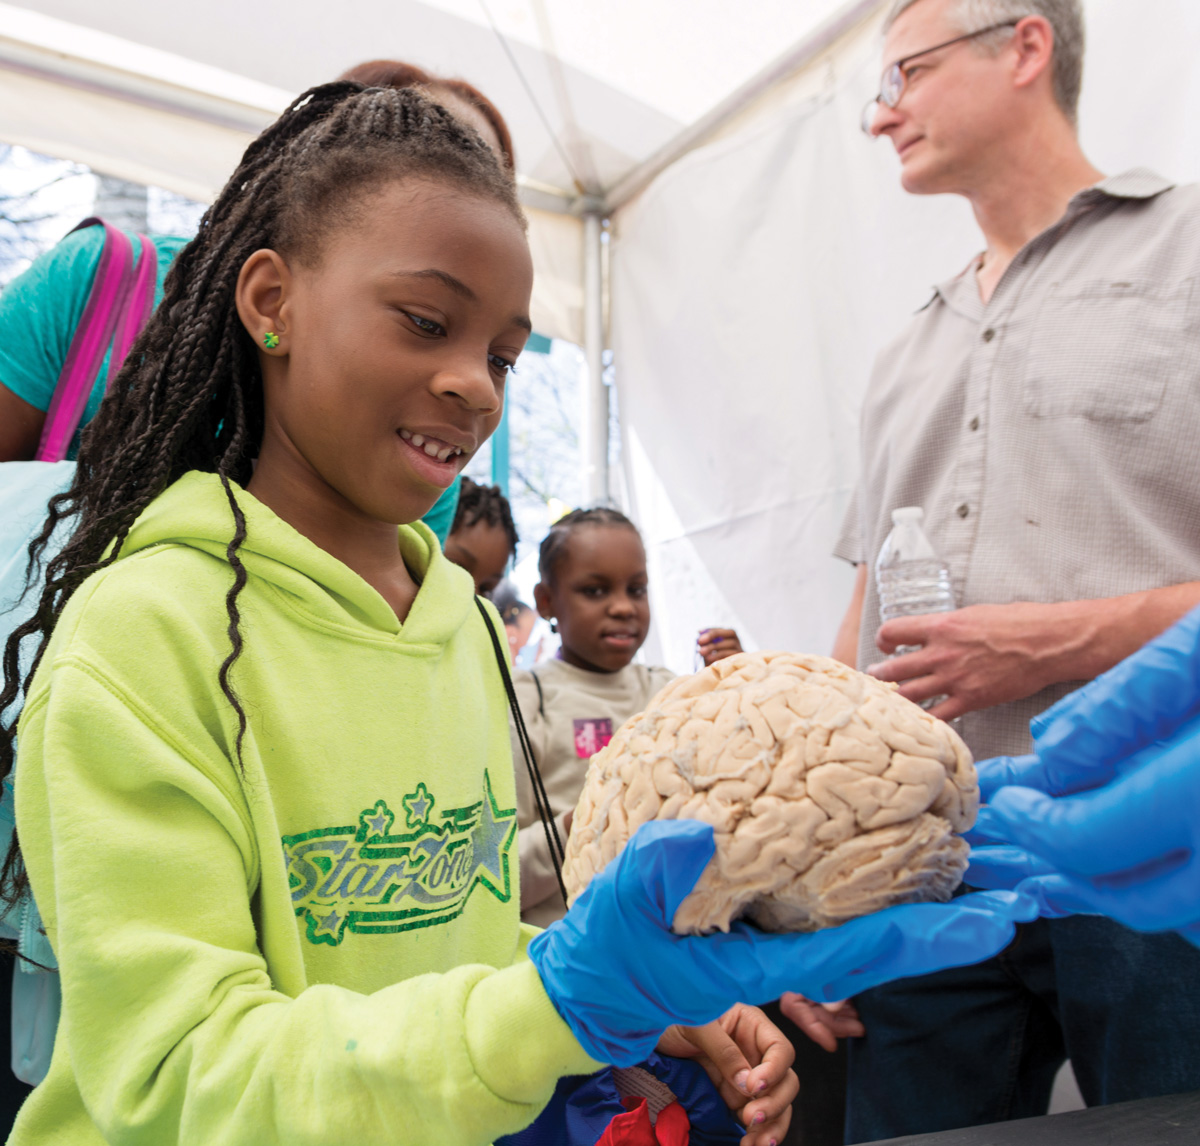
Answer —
1087 738
1128 850
1123 756
619 976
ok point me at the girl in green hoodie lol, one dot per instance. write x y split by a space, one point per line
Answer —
265 795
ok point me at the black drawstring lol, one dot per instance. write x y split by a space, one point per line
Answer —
557 853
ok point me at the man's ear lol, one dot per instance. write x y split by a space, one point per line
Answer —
263 301
1033 42
541 598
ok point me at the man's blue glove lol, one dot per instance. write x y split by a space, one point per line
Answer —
1124 754
619 976
1087 738
1128 850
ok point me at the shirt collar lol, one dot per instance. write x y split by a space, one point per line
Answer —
960 293
1137 183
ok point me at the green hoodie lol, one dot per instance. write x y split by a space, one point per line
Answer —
323 945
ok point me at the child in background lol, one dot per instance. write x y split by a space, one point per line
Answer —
517 616
265 795
594 589
483 538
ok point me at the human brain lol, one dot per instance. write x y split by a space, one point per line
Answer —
829 794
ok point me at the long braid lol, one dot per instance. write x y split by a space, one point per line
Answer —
554 545
189 395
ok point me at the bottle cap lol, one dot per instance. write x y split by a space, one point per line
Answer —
913 513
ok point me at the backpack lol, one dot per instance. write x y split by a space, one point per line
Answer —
118 305
661 1102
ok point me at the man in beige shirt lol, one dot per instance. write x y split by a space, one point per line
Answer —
1044 409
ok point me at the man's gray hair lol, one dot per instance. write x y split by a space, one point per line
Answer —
1064 16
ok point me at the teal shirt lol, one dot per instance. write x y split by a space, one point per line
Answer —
40 310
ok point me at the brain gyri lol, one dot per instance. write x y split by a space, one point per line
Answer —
830 795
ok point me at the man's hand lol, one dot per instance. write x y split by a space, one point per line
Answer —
824 1023
717 644
992 654
749 1060
981 655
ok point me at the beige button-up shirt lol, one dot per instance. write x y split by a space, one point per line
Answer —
1053 435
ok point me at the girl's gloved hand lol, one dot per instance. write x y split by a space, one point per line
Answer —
619 976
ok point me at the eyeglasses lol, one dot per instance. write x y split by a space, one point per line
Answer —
895 80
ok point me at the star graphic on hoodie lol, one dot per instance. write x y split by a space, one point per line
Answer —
418 805
377 820
330 922
490 837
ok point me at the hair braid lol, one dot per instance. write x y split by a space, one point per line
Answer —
485 503
189 395
554 545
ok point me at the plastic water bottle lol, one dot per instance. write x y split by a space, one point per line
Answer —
909 576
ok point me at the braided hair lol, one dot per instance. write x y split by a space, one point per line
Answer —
189 395
487 504
554 545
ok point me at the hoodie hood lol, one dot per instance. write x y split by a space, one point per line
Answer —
194 512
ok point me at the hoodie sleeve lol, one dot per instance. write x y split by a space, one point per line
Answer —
143 861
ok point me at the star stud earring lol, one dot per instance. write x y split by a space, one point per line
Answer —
270 340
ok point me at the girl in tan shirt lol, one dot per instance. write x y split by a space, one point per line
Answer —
594 588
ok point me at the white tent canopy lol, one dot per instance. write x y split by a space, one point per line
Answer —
761 251
166 94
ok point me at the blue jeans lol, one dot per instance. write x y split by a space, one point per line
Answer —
982 1044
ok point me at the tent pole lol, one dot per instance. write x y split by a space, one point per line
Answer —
595 398
850 15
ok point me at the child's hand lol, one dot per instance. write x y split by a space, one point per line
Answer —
824 1023
749 1060
717 644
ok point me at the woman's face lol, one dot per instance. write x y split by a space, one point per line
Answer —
396 342
599 597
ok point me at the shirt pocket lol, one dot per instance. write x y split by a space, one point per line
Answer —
1106 349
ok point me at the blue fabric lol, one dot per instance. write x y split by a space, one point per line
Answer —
982 1044
619 975
584 1105
40 309
441 517
25 489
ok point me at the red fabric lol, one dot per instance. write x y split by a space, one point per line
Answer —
672 1127
634 1129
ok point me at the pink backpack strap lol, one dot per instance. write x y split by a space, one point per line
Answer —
136 309
112 285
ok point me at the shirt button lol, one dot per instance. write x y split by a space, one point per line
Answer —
989 334
973 424
963 510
